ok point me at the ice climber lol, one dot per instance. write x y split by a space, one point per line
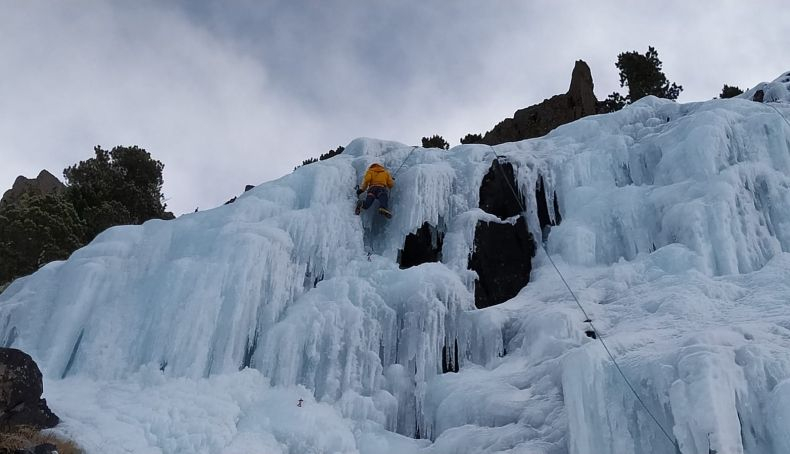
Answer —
377 182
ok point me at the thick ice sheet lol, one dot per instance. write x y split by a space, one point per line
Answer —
199 334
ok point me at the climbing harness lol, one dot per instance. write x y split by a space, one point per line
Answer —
356 188
592 331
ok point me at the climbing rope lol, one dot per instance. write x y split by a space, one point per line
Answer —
780 113
404 161
587 318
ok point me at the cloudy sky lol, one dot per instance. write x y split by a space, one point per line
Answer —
229 93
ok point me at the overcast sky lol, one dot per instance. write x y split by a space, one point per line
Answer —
229 93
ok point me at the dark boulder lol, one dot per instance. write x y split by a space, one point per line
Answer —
538 120
502 259
496 191
502 253
759 96
20 393
44 184
45 448
422 246
246 188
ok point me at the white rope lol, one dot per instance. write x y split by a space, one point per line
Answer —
587 317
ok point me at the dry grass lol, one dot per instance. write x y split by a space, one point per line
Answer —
28 438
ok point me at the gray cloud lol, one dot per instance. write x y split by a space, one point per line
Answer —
227 94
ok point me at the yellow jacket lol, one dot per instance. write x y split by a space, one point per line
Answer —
377 175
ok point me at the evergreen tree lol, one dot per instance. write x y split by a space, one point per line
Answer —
643 76
331 153
120 186
306 161
36 230
435 141
730 92
612 103
323 156
472 138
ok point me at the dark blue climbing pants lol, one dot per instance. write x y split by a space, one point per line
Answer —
376 193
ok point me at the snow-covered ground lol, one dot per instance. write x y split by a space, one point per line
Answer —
675 235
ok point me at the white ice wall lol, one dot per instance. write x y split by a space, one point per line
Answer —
704 185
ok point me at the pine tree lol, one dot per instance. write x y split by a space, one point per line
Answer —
643 76
120 186
306 161
323 156
472 138
331 153
612 103
35 231
435 141
730 92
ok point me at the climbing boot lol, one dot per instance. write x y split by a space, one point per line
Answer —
384 212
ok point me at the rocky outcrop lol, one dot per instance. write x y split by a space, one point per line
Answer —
503 251
246 188
45 448
502 259
538 120
422 246
20 393
45 183
496 195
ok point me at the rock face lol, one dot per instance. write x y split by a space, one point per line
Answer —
538 120
45 183
246 188
496 195
422 246
502 259
20 393
502 255
45 448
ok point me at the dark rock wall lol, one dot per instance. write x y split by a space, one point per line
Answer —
422 246
502 253
502 259
538 120
20 393
496 195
